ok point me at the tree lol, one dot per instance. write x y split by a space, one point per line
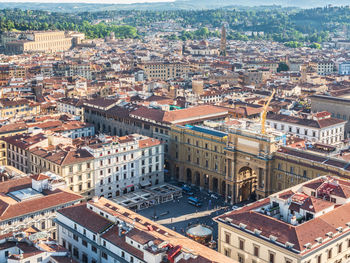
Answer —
282 66
315 45
293 44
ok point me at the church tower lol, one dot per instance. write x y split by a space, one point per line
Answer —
223 41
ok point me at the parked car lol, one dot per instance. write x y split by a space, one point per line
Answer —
194 201
187 190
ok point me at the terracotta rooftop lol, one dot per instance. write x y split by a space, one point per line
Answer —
318 124
300 235
10 208
85 217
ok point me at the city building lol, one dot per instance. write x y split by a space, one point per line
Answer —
17 147
197 156
307 223
233 159
74 129
18 108
32 201
31 245
325 67
37 41
71 106
74 165
339 107
102 231
344 68
73 69
125 164
165 70
320 127
109 117
9 71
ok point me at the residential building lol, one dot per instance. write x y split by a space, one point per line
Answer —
73 69
74 165
71 106
31 245
344 68
165 70
124 164
320 127
325 67
337 106
17 148
305 223
102 231
18 108
32 201
111 118
73 129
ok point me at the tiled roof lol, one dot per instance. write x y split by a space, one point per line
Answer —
113 237
318 124
10 209
197 112
24 141
85 217
63 157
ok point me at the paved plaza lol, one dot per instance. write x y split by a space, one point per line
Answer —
179 214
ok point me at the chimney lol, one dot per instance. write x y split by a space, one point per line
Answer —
120 229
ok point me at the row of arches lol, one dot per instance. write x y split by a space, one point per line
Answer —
246 184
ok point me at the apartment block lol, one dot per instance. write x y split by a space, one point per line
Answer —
102 231
32 201
307 223
124 164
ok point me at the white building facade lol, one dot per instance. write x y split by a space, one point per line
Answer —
326 129
124 164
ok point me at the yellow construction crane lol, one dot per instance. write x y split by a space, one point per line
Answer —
264 113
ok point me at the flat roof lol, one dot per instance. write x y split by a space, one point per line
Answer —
207 131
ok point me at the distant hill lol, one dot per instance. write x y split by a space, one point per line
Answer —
178 4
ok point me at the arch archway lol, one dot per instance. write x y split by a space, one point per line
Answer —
215 184
189 176
206 181
197 177
223 188
177 173
247 176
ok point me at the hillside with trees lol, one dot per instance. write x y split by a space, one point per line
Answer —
289 25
